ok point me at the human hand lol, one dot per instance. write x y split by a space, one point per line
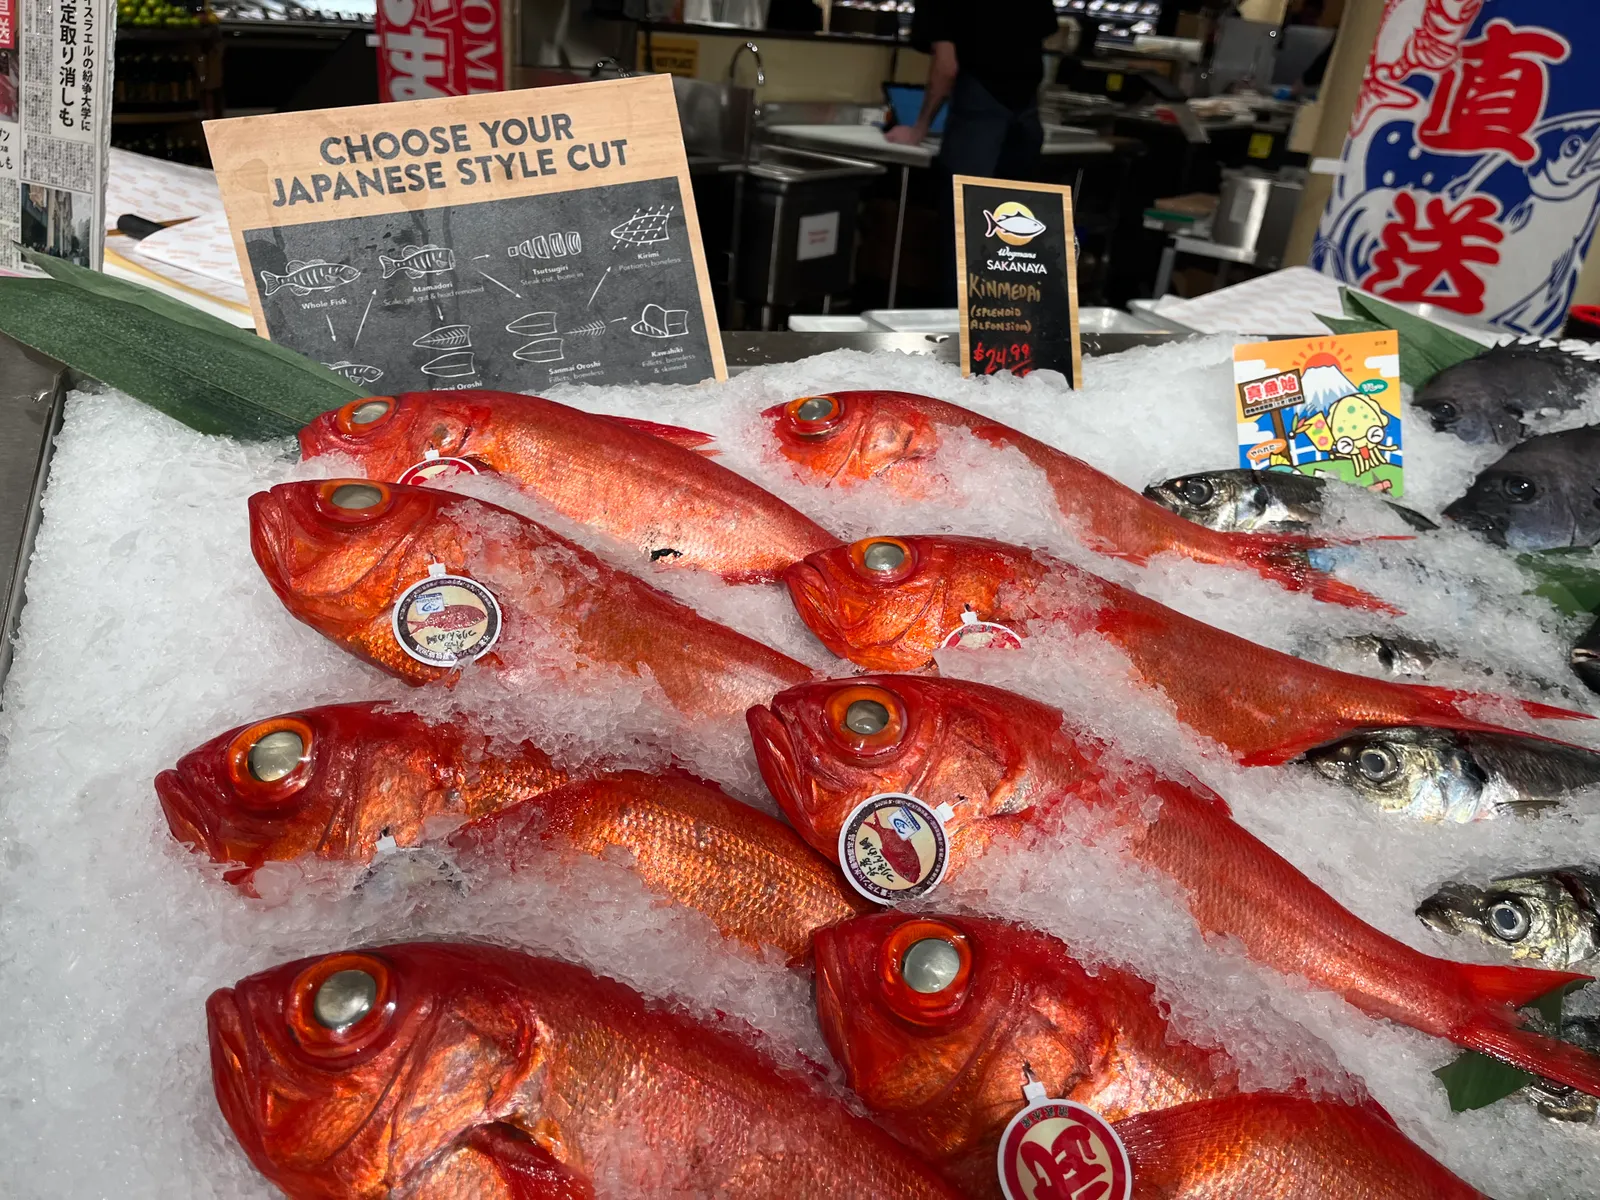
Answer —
904 135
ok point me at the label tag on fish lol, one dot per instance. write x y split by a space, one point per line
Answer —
1060 1148
436 466
974 634
894 848
446 620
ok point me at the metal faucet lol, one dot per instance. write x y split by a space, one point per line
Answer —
761 70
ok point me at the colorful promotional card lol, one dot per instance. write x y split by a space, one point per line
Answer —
1323 406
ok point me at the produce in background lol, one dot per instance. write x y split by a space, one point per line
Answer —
1242 501
1003 763
1550 916
841 437
340 554
436 1069
159 12
888 603
1543 494
636 481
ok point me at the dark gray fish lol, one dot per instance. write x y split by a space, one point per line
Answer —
1551 918
1242 501
1586 658
1491 397
1561 1103
1541 495
1389 654
1451 775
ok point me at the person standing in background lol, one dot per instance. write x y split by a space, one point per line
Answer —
988 61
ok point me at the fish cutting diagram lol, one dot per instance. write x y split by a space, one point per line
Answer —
647 227
657 322
458 364
356 372
417 261
304 277
554 245
529 324
543 350
446 337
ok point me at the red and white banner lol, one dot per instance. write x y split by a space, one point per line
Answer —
430 48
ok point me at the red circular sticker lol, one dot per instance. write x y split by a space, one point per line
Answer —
973 634
1059 1150
438 467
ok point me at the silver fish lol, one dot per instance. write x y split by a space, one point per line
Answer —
446 337
1450 775
1549 917
1586 657
356 372
1561 1103
417 261
1242 501
302 278
1396 656
1492 397
1541 495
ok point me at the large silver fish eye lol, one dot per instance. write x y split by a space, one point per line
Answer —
1378 763
356 496
930 965
816 408
882 556
369 412
275 755
344 998
1509 920
1195 491
866 717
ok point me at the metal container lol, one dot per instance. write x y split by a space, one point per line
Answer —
718 119
1255 214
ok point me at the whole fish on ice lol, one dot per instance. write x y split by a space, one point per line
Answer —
637 481
302 278
1495 396
463 1070
339 552
1550 917
888 603
1242 501
417 261
1016 224
1003 763
843 437
1543 494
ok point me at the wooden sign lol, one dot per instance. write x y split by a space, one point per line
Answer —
1017 273
508 240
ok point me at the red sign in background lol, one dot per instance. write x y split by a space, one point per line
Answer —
430 48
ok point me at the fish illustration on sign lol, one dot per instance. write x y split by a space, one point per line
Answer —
658 322
446 337
458 364
417 261
545 350
644 228
591 329
302 277
356 372
555 245
1014 220
531 324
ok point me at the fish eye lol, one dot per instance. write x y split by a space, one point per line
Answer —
883 556
1519 489
883 560
815 415
1378 763
866 717
361 416
1194 491
930 965
356 496
1509 920
343 998
275 755
1441 411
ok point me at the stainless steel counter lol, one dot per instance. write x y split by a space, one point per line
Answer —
745 350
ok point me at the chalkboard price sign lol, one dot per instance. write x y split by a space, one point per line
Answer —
1018 279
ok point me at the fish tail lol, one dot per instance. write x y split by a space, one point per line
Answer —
273 282
1285 559
689 439
1496 1030
989 217
388 264
1452 701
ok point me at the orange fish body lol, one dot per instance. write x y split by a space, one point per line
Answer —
344 776
1265 706
1001 761
637 482
412 1070
851 436
1264 1146
944 1070
748 872
342 569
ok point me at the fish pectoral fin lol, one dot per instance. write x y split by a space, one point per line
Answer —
689 439
500 1154
298 290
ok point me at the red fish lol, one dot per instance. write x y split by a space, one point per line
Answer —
339 553
850 436
451 616
433 1070
938 1021
1002 761
887 603
636 481
330 782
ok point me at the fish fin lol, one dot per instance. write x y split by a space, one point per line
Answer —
989 217
1498 1035
295 264
1515 986
689 439
526 1169
1452 701
298 290
387 264
273 282
1285 559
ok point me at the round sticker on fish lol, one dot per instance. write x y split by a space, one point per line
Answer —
446 620
1057 1149
974 634
894 848
438 467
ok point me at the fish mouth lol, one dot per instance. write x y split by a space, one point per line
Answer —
270 537
230 1059
319 436
827 953
1465 514
1442 910
184 813
816 600
778 762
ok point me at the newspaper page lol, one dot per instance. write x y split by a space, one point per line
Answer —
56 62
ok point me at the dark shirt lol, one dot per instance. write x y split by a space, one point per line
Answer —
998 42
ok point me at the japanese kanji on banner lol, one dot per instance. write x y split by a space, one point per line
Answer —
1471 172
429 48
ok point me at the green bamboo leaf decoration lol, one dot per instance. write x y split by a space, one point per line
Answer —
1476 1081
1426 348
